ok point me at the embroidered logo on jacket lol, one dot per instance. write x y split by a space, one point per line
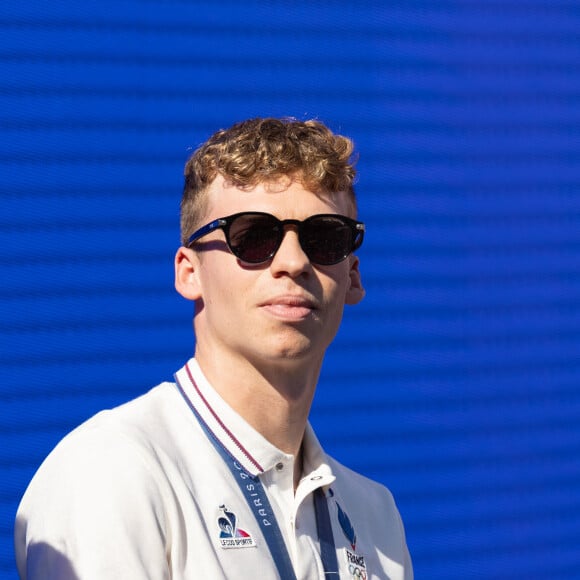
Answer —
354 562
356 565
230 535
345 524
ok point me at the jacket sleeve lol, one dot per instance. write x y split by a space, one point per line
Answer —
93 510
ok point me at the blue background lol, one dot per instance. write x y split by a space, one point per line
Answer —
456 381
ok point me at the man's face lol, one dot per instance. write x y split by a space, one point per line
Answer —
281 312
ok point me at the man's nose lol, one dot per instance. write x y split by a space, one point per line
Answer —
290 258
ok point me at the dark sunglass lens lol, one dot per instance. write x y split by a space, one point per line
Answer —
254 238
326 240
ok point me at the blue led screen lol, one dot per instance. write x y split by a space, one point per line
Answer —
456 382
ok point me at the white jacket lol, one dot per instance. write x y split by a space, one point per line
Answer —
137 492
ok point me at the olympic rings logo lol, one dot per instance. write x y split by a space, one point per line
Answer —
357 572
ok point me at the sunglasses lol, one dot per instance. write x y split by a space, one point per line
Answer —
254 237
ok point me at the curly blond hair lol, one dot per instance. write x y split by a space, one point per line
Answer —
264 150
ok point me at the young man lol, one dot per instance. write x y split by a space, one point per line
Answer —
219 475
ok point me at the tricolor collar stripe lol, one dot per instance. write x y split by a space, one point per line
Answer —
231 436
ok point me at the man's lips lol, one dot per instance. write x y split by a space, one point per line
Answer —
289 306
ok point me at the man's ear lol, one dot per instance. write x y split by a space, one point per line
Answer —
355 293
186 273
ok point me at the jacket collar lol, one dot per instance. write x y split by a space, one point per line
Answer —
248 447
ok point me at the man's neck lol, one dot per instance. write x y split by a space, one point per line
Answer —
276 402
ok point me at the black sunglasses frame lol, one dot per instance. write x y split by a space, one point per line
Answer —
357 230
